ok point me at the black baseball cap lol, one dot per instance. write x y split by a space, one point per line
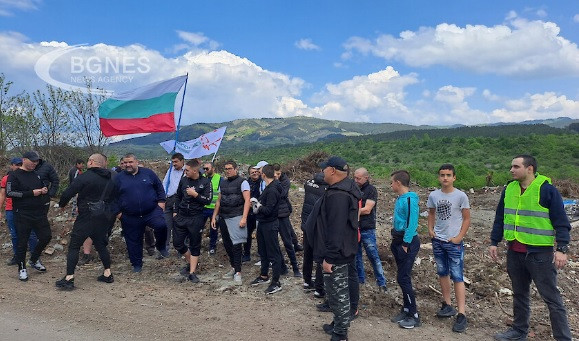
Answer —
336 162
16 161
32 156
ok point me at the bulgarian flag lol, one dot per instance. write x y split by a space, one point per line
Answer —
148 109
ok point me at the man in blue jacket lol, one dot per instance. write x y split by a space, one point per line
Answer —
141 202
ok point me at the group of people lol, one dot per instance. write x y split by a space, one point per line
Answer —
338 222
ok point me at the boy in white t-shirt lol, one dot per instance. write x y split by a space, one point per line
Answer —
448 222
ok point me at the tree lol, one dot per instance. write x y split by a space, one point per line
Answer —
55 124
83 109
5 104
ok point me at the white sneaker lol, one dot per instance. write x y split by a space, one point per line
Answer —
258 263
229 275
237 279
23 275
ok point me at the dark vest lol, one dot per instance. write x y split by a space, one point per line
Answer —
232 202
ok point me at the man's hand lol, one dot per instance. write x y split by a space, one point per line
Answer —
327 267
119 215
493 253
455 240
559 259
161 205
405 248
431 233
192 192
213 223
243 222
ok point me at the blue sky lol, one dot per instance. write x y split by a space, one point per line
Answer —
416 62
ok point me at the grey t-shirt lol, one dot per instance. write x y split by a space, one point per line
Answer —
448 212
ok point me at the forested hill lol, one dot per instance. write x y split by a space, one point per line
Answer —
273 131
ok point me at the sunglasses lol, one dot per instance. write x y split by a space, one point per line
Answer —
206 168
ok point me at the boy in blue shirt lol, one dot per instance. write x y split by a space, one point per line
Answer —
448 222
405 245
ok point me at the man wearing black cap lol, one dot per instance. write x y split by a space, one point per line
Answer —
15 163
30 200
332 230
48 177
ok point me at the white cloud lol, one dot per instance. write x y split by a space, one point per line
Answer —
537 106
521 48
541 13
576 18
223 87
195 41
8 7
377 97
306 44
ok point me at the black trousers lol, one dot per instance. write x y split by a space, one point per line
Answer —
98 230
267 242
308 267
285 231
251 225
404 264
27 221
233 251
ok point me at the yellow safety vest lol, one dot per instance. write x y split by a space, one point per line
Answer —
524 218
215 184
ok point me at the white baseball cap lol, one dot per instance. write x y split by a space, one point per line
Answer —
260 164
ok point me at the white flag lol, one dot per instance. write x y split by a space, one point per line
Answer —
203 145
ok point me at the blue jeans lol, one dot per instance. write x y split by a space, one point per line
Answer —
368 240
32 241
539 268
449 259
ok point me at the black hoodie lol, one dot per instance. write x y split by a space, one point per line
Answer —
332 227
89 186
314 189
48 177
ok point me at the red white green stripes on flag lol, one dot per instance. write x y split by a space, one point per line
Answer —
148 109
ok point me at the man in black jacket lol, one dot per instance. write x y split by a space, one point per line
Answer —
286 230
193 193
314 190
333 228
266 211
30 202
92 186
48 176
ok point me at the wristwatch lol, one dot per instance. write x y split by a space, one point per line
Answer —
563 249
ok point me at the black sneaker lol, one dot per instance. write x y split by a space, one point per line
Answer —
511 334
184 271
85 259
409 322
324 307
339 337
11 261
328 328
446 311
151 251
460 323
37 265
297 274
193 278
259 280
399 317
273 288
246 258
319 294
65 284
309 287
105 279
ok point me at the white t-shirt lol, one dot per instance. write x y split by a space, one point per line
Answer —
448 212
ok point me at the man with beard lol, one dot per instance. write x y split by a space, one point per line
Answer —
232 207
215 179
141 201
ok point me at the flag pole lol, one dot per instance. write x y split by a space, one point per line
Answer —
177 132
180 114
